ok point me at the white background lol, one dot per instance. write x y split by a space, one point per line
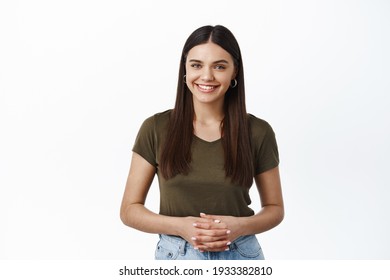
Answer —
77 78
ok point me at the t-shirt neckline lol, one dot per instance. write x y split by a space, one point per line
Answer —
207 142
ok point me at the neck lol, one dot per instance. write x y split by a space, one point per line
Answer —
208 113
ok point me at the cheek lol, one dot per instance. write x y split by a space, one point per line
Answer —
189 80
225 80
190 77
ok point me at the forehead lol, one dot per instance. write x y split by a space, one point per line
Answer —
209 52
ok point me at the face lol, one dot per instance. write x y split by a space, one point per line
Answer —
209 71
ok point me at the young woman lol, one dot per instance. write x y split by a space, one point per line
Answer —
206 153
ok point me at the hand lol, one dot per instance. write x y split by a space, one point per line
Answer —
204 234
215 233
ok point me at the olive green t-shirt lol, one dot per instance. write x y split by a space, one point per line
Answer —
205 188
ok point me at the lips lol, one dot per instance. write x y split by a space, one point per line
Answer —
206 88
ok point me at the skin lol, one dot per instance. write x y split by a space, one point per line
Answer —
209 71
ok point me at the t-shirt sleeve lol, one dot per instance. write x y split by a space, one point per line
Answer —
145 142
267 156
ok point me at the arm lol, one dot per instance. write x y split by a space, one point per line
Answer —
272 212
134 214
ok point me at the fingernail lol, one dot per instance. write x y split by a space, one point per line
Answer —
227 249
193 238
195 224
202 214
228 232
217 221
227 244
196 248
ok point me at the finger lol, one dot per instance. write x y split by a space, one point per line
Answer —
208 239
215 219
214 246
212 232
210 225
205 249
207 220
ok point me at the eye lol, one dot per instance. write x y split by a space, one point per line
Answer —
220 67
196 65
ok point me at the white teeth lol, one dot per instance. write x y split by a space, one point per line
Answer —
206 87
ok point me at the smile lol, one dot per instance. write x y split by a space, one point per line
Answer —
206 88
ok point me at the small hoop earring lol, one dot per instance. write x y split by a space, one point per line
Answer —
235 84
184 79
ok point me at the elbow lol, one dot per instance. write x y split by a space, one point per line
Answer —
280 215
129 215
276 214
124 216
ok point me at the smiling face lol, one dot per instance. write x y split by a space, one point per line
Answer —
209 71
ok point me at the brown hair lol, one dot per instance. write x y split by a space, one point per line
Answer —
176 152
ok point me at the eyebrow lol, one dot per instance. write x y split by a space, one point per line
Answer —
215 62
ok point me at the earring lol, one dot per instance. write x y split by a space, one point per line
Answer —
235 84
184 79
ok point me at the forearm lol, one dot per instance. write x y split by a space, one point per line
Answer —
139 217
269 217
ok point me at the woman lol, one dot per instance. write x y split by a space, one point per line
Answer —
206 153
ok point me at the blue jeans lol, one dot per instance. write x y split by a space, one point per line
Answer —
176 248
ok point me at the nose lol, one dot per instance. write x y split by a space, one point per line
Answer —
207 75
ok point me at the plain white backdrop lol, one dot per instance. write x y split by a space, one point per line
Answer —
77 78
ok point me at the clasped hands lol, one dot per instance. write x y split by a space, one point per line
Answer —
211 233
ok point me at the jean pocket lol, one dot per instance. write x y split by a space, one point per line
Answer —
166 250
249 247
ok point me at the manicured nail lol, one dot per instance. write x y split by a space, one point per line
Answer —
196 248
227 249
228 232
202 214
227 244
193 238
195 224
217 221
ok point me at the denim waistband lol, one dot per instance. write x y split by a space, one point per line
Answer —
177 240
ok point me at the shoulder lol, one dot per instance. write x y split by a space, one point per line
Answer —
259 127
163 116
157 122
158 117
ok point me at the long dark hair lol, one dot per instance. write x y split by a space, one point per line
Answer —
176 151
